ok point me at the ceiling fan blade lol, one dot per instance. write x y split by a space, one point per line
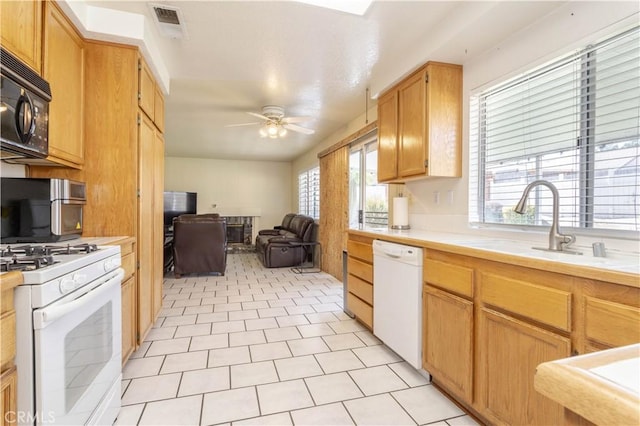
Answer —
299 129
287 120
263 117
242 124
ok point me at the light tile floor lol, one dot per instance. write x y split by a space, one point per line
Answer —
265 346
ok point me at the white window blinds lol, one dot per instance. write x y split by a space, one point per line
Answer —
574 123
309 192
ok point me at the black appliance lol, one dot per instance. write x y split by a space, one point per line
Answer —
177 203
24 107
40 210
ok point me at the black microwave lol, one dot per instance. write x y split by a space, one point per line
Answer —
24 106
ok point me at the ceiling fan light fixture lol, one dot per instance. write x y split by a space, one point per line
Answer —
263 132
282 132
272 130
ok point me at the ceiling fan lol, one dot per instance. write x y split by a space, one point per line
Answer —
275 124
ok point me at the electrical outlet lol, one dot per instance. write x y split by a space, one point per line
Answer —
436 197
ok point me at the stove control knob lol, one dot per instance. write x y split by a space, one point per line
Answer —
67 285
110 264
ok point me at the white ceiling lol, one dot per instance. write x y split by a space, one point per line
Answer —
241 55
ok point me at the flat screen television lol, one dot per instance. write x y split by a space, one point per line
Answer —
177 203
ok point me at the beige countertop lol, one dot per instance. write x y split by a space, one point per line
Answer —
603 387
621 268
101 241
9 280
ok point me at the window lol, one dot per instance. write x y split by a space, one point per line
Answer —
309 193
368 201
574 123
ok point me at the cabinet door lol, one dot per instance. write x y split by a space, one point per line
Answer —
145 240
411 127
64 69
611 315
8 382
21 30
448 341
388 137
443 127
146 88
128 318
510 352
158 110
158 222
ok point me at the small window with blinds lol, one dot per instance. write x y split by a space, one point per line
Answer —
575 123
309 192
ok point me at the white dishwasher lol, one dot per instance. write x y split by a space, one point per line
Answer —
397 299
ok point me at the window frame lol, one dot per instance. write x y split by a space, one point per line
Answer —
362 147
311 192
586 149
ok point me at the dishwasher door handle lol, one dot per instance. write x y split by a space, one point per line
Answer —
395 256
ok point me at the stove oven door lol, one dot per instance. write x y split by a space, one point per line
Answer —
78 355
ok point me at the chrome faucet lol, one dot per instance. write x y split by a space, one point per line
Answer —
557 241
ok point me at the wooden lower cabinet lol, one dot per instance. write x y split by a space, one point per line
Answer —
360 278
8 372
129 335
510 350
448 343
611 315
8 382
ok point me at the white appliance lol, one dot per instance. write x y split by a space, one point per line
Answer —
397 298
68 332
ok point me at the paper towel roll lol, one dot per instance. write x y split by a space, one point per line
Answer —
400 212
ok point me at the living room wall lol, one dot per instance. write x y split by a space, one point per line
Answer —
247 188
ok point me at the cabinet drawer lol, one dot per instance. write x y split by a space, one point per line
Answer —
129 264
611 323
360 309
361 288
457 279
360 250
360 269
546 305
126 248
8 337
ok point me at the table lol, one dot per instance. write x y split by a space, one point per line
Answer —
306 267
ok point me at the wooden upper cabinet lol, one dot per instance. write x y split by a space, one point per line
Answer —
146 88
64 70
158 110
150 97
388 136
412 144
428 123
21 30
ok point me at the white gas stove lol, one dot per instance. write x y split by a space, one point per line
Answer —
68 331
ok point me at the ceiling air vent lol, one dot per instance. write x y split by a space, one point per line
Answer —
169 20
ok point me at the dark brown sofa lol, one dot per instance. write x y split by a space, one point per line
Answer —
280 247
199 244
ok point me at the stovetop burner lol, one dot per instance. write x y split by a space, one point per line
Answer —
32 257
46 250
25 263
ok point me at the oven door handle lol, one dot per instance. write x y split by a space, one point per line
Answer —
46 316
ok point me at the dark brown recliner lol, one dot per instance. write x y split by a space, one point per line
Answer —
286 221
278 248
199 244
